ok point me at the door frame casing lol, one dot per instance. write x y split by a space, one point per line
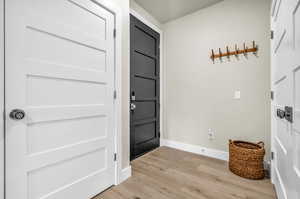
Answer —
273 119
162 82
2 55
116 11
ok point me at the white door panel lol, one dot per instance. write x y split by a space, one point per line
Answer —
285 21
60 71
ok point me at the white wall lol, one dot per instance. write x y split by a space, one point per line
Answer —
1 99
199 94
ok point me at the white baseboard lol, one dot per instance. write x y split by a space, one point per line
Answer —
125 174
213 153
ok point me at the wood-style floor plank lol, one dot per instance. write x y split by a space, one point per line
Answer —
172 174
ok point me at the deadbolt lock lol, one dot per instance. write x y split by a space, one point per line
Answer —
289 113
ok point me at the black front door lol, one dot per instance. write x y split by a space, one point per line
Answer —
144 88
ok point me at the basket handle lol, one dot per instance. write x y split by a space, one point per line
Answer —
261 143
230 141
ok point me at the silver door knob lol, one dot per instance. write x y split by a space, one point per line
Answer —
17 114
132 106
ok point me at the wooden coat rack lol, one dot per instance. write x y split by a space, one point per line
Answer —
237 51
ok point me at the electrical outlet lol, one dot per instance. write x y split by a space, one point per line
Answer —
211 134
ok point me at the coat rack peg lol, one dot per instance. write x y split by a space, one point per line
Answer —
228 53
254 48
245 49
236 50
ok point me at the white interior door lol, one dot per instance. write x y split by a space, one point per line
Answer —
60 71
285 22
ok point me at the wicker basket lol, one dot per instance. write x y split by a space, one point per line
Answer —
246 159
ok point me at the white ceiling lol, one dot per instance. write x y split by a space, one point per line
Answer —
167 10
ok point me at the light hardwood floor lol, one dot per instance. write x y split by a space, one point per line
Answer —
172 174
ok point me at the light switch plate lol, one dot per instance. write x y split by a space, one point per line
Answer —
211 134
237 95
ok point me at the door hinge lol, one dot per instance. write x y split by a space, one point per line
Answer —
115 33
272 95
272 155
115 94
4 115
115 157
272 34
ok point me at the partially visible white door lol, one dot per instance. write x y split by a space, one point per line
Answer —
60 72
2 99
285 22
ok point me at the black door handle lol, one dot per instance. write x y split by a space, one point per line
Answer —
287 113
17 114
280 113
